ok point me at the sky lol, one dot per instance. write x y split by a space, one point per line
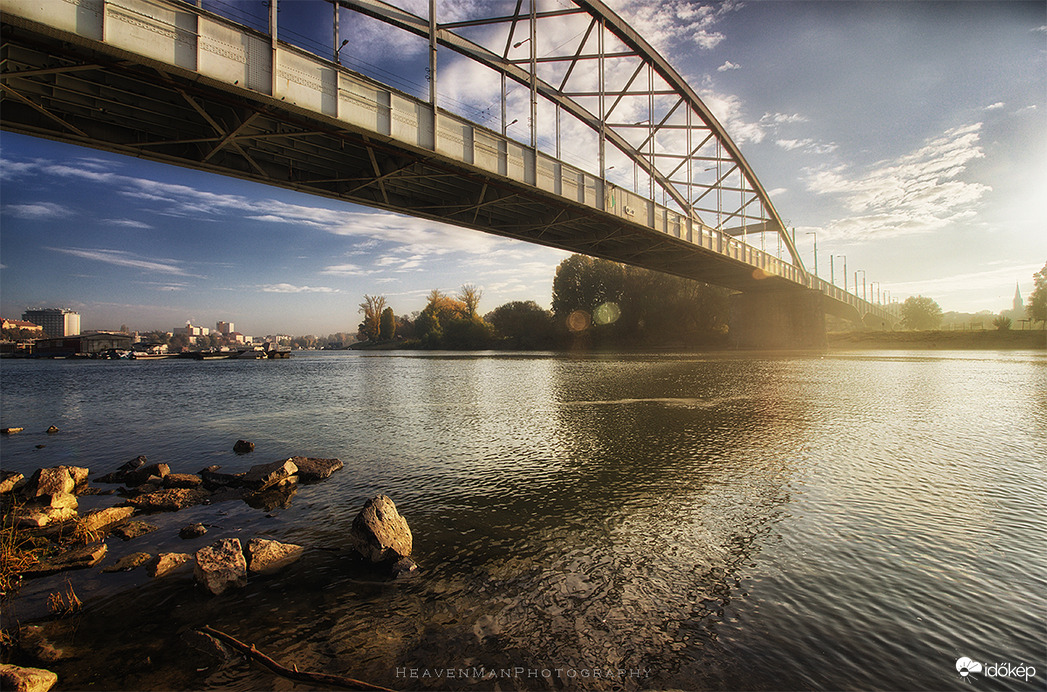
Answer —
908 139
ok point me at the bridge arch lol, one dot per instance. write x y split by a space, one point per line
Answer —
680 146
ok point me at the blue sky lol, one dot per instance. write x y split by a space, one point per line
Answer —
910 137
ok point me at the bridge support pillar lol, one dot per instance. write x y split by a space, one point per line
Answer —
782 319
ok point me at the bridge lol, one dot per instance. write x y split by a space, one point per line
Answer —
660 184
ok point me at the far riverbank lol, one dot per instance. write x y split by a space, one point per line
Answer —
995 339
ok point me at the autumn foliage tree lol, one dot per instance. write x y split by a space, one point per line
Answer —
372 309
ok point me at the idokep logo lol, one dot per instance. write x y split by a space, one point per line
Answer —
967 668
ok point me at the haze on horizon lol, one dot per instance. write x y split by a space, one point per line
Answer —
908 137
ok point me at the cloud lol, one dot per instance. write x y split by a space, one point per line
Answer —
917 193
291 288
996 106
129 223
121 258
728 65
807 145
37 211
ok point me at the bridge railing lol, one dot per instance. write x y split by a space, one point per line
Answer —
201 42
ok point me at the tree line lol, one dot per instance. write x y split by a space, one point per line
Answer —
595 303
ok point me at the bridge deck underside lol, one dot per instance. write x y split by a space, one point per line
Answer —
102 99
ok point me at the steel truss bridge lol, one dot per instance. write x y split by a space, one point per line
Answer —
170 81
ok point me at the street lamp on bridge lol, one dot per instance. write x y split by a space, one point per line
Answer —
844 257
856 273
815 252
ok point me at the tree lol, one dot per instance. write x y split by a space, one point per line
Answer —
470 294
1002 323
523 324
1037 307
372 309
387 325
919 312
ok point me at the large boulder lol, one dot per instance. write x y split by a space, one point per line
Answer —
170 500
214 479
243 447
276 496
262 476
379 533
104 518
267 556
221 566
19 679
142 474
165 563
128 562
311 470
120 474
10 481
35 517
78 558
182 480
57 480
134 529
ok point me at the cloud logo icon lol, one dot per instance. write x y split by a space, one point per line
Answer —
965 666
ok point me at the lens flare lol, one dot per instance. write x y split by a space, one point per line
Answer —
608 313
578 321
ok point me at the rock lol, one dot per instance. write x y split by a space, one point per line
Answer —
170 500
311 469
78 558
404 567
102 518
144 474
19 679
121 473
37 517
33 642
243 447
52 430
165 563
10 431
221 566
61 500
262 476
129 562
182 480
134 529
379 533
214 479
10 481
266 556
192 531
52 481
274 497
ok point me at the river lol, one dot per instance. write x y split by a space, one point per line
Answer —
854 520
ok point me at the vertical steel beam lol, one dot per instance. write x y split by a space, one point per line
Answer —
600 90
272 39
334 24
533 39
432 60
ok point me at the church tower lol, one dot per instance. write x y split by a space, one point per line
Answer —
1019 307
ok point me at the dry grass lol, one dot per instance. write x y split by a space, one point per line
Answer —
66 602
19 551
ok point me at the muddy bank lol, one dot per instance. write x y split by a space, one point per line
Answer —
943 340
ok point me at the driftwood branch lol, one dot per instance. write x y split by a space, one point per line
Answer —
289 673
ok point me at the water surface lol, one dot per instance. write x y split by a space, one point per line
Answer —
853 521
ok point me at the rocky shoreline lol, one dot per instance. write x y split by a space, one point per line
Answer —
44 534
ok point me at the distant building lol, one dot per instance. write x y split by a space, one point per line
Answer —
225 328
21 324
56 322
89 344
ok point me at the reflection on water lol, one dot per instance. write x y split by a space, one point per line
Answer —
854 521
